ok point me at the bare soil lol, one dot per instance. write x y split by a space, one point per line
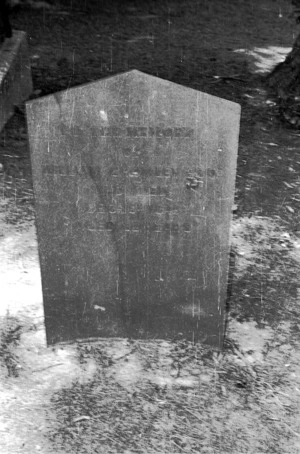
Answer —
120 396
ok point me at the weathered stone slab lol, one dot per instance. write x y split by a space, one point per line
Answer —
134 183
15 75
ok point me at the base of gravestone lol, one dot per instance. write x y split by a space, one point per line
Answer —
15 75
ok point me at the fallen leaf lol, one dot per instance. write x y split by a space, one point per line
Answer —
81 418
290 209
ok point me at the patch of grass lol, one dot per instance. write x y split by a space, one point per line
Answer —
10 332
230 407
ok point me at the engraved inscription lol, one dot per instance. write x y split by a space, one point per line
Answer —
156 171
143 131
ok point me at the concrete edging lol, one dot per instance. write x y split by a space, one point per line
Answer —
15 74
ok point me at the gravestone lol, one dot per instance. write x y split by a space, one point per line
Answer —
134 183
15 75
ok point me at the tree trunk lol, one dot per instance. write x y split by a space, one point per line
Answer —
284 81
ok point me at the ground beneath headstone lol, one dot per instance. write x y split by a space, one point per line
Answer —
162 397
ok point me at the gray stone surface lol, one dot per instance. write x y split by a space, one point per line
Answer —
15 75
134 183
